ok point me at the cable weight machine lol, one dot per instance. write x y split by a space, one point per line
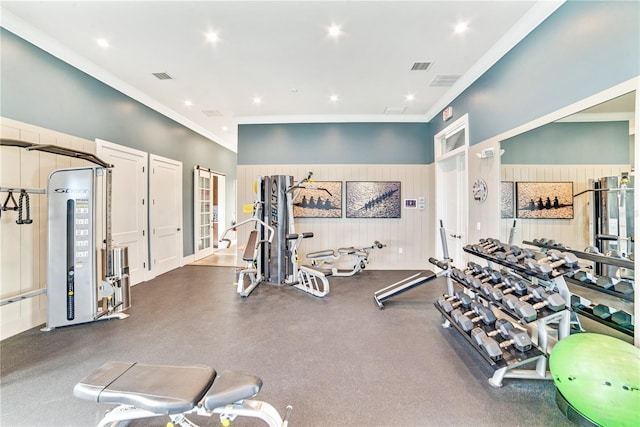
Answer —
74 292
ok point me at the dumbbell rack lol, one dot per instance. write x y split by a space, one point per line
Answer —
597 258
546 316
507 368
511 358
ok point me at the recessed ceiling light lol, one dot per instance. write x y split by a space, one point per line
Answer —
334 31
188 103
212 37
102 42
257 100
334 98
460 28
225 128
410 97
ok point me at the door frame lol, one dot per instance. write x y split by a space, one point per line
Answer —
442 197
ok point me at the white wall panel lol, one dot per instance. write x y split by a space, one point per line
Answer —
574 232
413 232
23 248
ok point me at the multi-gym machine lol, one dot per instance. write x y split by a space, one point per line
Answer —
75 291
79 228
272 248
421 278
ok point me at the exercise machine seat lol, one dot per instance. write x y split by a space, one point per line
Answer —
251 251
159 389
347 251
321 254
230 387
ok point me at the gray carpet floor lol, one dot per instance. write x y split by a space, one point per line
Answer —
338 360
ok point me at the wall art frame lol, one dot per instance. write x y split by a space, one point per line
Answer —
373 199
320 199
544 200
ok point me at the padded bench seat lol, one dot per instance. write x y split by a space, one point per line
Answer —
166 390
321 254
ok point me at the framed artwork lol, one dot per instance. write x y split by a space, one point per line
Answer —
321 199
544 200
507 200
373 199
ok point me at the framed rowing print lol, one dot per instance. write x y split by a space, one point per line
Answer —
373 199
322 199
507 199
544 200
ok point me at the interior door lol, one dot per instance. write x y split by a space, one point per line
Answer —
451 187
203 213
128 204
451 209
165 214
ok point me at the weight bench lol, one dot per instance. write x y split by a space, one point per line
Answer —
145 391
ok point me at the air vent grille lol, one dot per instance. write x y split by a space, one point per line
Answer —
394 110
212 113
163 76
421 66
445 80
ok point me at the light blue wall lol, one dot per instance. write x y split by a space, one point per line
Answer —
570 144
39 89
584 48
335 143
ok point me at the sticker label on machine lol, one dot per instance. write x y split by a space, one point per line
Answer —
81 238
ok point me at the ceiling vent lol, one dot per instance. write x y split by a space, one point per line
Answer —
163 76
421 66
443 80
212 113
394 110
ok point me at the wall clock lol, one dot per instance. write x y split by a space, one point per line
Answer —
479 190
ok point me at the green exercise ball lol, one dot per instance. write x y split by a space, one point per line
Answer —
600 377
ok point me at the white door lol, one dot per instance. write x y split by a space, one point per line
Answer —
208 209
128 204
165 214
202 213
451 146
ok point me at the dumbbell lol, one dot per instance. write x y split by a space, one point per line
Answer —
473 268
485 339
513 250
624 287
606 282
450 303
513 285
583 276
560 258
515 337
488 275
526 253
552 300
483 313
622 319
521 308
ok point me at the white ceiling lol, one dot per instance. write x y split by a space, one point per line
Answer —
279 51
